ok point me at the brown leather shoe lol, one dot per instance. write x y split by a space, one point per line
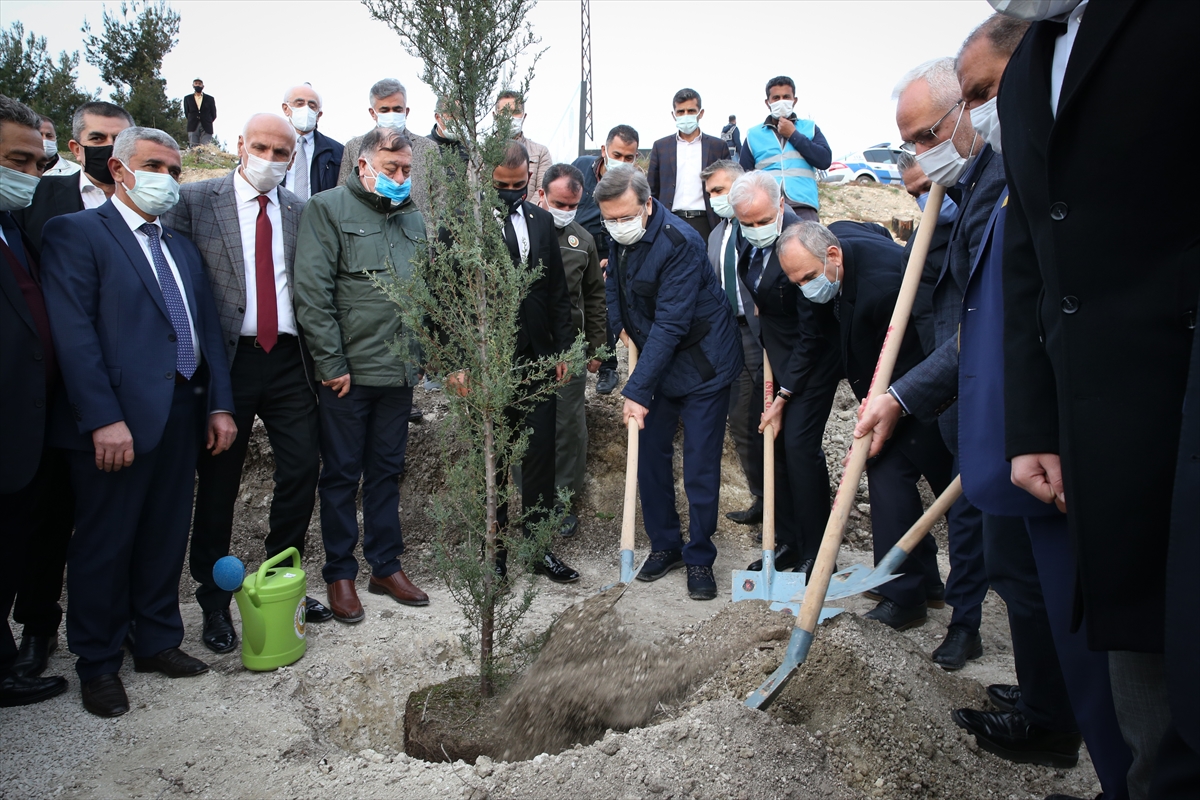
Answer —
399 587
343 600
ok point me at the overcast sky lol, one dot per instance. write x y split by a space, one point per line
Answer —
845 57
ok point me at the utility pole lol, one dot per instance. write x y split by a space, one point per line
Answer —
585 75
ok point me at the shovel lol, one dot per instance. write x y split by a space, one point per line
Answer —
629 512
814 596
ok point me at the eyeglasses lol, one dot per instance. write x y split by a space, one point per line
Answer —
619 220
928 136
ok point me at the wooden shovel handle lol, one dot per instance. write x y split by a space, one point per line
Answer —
768 523
935 512
631 462
818 586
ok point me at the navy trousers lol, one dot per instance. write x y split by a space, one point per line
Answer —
703 418
1087 671
363 438
131 532
967 583
41 582
801 474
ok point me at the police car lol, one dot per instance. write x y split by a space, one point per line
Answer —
875 164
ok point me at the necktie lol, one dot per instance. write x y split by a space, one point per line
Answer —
756 269
731 279
301 170
185 354
264 279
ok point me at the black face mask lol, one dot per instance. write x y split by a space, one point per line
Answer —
513 198
95 163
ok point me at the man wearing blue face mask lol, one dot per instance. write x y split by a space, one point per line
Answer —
676 162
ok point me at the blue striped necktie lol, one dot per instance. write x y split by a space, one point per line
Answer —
185 354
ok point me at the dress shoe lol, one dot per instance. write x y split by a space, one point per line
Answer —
935 596
569 527
959 646
314 611
343 600
25 690
501 563
898 617
172 662
105 696
1011 736
606 381
218 634
751 516
399 587
1004 696
554 569
34 654
701 583
416 415
786 557
659 563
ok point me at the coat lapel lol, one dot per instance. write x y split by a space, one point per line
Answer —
1100 24
133 251
172 240
225 208
289 211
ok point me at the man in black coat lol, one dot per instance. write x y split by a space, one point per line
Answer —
200 110
1097 326
318 160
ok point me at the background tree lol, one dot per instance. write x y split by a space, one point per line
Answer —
464 301
129 53
29 74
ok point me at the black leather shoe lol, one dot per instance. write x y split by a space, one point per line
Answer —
502 564
751 516
1011 736
414 415
554 569
701 583
570 526
786 557
172 662
105 696
659 563
1004 696
33 655
606 381
25 690
218 634
959 646
935 596
897 617
315 612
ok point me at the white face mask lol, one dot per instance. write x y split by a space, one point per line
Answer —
155 193
687 123
517 124
16 189
987 123
763 235
263 175
721 206
943 163
562 218
304 119
392 119
50 147
782 108
627 232
1034 10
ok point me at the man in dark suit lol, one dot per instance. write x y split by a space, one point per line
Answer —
746 393
137 334
200 110
664 297
318 158
917 184
95 125
31 474
1097 325
801 341
676 162
249 248
544 329
934 123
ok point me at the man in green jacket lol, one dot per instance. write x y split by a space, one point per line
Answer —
365 232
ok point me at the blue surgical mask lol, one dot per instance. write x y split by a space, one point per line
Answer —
386 187
764 235
687 123
612 163
948 212
16 189
820 289
155 193
391 119
721 206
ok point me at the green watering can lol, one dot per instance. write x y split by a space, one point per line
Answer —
271 602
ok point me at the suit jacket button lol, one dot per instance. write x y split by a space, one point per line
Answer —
1069 304
241 310
1058 211
37 355
170 337
169 375
39 403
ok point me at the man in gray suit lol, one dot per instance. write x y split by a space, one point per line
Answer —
245 225
746 393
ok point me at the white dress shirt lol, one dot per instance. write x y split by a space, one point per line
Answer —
62 167
1062 54
134 222
307 138
689 189
93 196
247 210
741 310
521 228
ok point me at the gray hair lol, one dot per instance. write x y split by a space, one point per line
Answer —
905 161
15 111
97 108
814 237
386 88
287 95
126 142
750 185
941 77
617 181
387 139
732 168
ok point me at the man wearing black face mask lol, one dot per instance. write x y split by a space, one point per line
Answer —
200 109
94 128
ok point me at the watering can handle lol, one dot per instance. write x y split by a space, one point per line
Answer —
261 575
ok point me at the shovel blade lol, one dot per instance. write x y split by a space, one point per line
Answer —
766 585
797 652
794 609
856 580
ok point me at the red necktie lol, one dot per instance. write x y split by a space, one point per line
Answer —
264 279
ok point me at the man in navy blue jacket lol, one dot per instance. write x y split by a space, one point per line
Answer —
139 342
664 297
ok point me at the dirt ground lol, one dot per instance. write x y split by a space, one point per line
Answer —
867 716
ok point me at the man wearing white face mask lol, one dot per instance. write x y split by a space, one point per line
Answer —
245 226
676 162
540 159
318 159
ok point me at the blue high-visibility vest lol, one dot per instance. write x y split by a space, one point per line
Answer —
787 166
